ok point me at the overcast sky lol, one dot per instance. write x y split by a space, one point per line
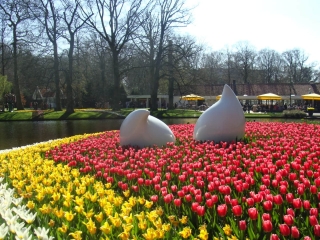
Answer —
275 24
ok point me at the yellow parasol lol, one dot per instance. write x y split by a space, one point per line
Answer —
311 96
269 96
192 97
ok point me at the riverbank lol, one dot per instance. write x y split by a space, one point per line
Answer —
81 114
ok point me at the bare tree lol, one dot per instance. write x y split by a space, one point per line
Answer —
115 21
73 23
157 25
49 15
15 13
244 59
266 61
296 64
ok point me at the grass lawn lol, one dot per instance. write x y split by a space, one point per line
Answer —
35 115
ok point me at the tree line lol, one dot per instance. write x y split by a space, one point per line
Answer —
97 51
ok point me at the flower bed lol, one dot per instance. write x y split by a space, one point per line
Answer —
88 187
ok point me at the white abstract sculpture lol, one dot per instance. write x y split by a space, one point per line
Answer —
141 129
223 121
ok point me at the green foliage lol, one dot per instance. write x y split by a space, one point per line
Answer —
294 114
5 86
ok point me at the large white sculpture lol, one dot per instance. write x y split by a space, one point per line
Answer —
223 121
141 129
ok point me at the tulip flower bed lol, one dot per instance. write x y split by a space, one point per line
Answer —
88 187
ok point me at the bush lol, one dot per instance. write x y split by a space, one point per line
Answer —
294 114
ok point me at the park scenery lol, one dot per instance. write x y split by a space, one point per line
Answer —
266 186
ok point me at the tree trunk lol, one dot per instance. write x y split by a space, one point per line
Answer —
116 105
56 77
171 78
70 103
15 71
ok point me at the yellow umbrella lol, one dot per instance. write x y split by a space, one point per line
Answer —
219 96
269 96
192 97
311 96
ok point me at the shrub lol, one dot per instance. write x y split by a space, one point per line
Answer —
294 114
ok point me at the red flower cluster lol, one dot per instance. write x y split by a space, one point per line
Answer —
274 174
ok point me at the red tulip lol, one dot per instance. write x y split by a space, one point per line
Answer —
222 210
284 230
250 202
306 204
237 210
297 203
283 189
289 197
154 198
198 198
174 188
177 202
290 211
295 232
168 198
266 216
201 210
277 199
267 226
288 219
307 238
234 202
313 220
242 225
267 205
209 203
188 197
313 189
274 237
194 206
181 193
253 213
313 211
214 198
316 230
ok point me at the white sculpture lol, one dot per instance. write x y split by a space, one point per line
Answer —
141 129
223 121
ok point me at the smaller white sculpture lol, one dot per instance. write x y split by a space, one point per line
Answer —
223 121
141 129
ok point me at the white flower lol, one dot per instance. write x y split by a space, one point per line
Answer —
23 233
17 201
3 230
15 227
42 233
28 217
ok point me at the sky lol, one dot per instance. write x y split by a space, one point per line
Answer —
278 25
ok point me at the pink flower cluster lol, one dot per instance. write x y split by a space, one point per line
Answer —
268 183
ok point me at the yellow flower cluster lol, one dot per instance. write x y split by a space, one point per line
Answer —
78 205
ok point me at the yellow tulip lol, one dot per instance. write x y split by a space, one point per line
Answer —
184 219
30 204
76 235
91 226
63 229
186 232
106 228
69 216
227 230
99 217
148 204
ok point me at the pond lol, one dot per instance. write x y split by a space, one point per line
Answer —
21 133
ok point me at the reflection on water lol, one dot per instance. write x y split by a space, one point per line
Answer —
20 133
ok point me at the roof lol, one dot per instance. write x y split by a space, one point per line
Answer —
241 89
41 93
